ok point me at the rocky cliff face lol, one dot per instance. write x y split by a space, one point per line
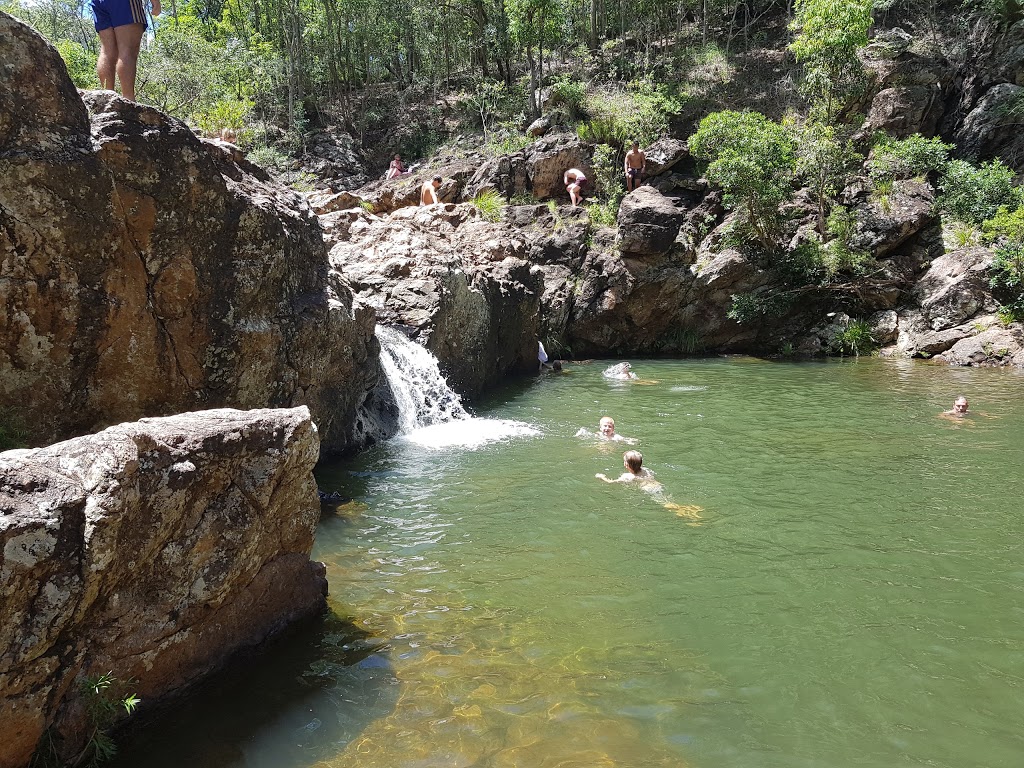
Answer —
144 271
153 550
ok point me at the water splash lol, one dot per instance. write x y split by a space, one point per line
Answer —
419 390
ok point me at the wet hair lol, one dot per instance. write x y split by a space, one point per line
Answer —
438 179
634 460
609 418
557 365
959 398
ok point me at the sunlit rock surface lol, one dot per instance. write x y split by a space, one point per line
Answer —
152 550
144 271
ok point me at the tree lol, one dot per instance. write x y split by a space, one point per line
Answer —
823 160
829 34
753 160
534 24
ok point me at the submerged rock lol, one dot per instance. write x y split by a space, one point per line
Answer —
152 550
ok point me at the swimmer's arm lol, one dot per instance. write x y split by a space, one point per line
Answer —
583 432
603 476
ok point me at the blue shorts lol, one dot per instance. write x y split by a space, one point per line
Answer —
117 13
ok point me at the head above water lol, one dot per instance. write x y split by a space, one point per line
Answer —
607 426
633 461
960 405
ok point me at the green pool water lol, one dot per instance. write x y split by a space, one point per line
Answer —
850 593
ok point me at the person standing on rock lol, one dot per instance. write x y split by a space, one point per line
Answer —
120 25
428 192
574 180
636 164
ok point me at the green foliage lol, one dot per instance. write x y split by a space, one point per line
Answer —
972 194
1005 225
602 213
269 158
508 140
915 155
490 204
855 339
568 93
748 308
105 703
753 160
829 33
823 161
226 113
640 112
81 63
13 433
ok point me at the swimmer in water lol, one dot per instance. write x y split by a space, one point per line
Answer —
959 408
620 371
606 431
633 462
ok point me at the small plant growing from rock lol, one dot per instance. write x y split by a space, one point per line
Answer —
104 706
490 205
854 340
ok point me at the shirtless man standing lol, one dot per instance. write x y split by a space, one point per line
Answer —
428 192
636 164
120 25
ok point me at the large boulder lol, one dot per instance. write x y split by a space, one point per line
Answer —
987 132
884 224
904 110
648 222
538 169
664 154
153 550
459 283
144 271
955 287
995 346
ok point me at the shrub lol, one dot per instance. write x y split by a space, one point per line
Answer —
1007 280
753 160
906 158
490 204
80 62
640 112
1005 225
855 339
603 213
972 194
569 94
753 307
227 113
269 158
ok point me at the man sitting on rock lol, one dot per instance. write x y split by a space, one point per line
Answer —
636 164
396 168
428 192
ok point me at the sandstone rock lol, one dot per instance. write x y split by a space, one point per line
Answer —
144 271
538 127
955 287
883 226
537 170
993 346
388 195
889 43
328 202
664 154
648 222
154 550
905 110
934 342
884 326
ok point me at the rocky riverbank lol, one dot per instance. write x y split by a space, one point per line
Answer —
152 551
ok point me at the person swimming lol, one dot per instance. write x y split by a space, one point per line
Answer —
637 473
619 371
606 431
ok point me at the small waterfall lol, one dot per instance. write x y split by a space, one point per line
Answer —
419 390
413 400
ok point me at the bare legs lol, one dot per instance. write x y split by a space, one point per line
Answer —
574 193
119 54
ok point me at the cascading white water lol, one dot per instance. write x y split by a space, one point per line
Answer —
422 395
429 412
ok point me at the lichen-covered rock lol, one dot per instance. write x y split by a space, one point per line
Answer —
986 132
648 222
904 110
664 154
538 169
884 224
144 271
994 346
153 550
955 287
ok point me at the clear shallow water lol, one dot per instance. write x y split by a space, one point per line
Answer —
852 594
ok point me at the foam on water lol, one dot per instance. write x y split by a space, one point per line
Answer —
469 433
689 388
